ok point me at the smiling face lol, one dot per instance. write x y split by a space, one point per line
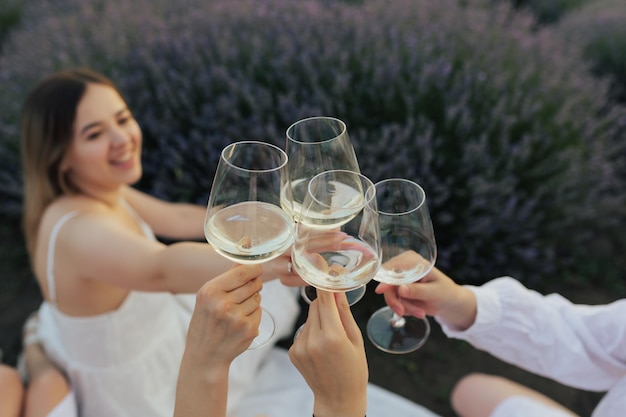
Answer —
106 145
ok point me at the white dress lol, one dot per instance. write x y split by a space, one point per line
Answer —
125 363
580 346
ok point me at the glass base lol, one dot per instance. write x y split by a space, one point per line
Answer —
397 339
309 293
267 327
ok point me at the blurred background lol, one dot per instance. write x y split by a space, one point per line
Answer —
510 113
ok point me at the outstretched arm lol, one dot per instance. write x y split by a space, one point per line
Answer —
168 219
104 250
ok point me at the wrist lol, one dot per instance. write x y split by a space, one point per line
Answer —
346 409
203 370
462 312
363 415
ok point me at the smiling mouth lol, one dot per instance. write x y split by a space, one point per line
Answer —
122 160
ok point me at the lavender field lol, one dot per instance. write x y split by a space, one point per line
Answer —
510 114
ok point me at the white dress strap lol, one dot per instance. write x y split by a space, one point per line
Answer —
52 294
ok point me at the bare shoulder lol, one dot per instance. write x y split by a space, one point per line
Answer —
91 217
88 208
73 234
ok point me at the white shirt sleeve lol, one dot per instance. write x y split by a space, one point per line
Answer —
577 345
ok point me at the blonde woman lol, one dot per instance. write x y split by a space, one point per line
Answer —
112 319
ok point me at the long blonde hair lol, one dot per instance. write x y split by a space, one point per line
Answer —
47 124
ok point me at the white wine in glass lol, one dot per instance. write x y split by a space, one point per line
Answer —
337 252
314 145
250 232
244 220
408 254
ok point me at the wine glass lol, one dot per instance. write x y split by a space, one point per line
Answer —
408 254
314 145
244 220
338 220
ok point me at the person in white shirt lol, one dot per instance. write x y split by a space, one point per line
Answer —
581 346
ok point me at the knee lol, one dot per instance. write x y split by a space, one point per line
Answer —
466 391
48 380
466 384
472 379
46 390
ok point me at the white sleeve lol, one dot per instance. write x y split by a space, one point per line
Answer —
577 345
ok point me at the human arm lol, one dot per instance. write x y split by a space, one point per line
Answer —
185 221
172 220
330 355
224 322
578 345
542 334
101 248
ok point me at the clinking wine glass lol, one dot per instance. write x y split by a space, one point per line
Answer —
338 220
314 145
408 254
245 221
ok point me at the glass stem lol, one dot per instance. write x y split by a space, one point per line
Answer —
397 321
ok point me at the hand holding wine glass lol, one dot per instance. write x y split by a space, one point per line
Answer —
408 254
244 221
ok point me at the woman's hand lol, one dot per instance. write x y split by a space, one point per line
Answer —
330 355
435 294
226 316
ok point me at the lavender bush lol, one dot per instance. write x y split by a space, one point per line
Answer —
548 11
10 14
500 123
600 29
